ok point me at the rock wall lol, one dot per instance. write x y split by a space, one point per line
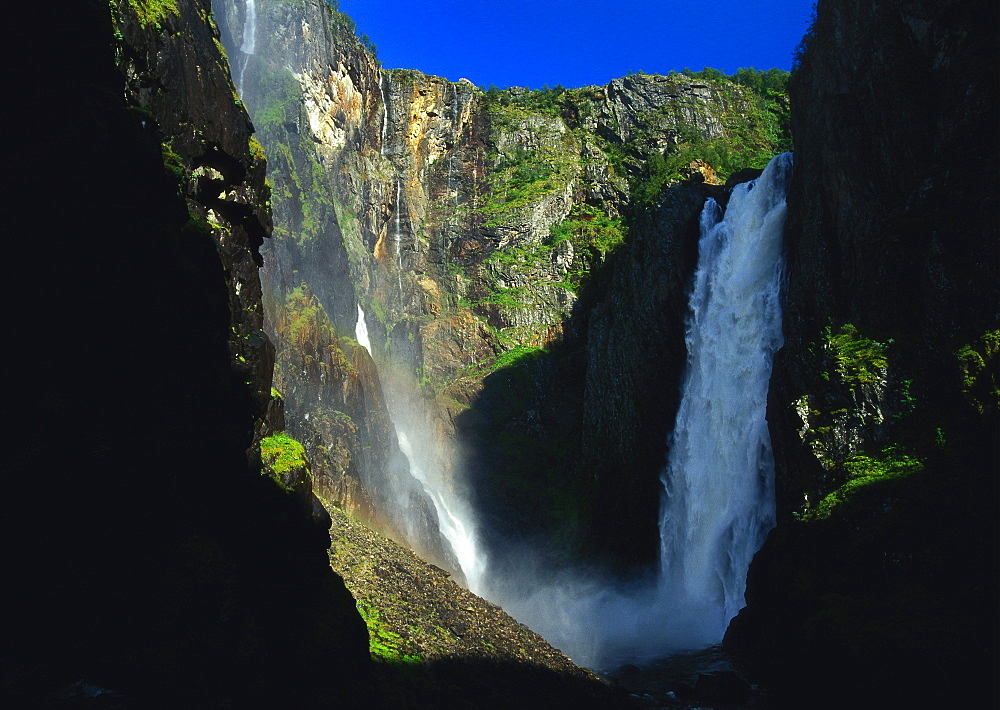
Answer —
883 404
480 231
151 563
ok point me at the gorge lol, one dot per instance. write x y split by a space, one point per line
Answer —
479 309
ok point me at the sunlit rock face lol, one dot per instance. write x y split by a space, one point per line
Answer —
476 228
880 421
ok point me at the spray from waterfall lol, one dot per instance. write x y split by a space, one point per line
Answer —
454 522
249 45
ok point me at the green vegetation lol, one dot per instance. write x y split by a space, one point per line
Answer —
520 176
346 23
173 163
593 235
589 228
518 356
980 383
552 102
282 454
280 96
299 181
755 115
384 645
858 360
862 471
750 139
153 13
256 149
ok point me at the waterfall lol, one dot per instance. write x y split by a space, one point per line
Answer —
398 236
361 331
718 497
454 527
454 522
249 45
385 113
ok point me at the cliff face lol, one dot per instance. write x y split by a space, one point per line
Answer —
884 399
483 236
159 568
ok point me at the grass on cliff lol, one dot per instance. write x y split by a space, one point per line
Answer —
891 463
978 371
151 13
859 360
281 453
750 140
383 643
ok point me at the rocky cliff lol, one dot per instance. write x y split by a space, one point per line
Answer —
151 563
881 577
509 293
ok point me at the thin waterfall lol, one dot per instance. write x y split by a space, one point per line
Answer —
249 45
455 528
385 113
718 485
361 331
398 236
454 523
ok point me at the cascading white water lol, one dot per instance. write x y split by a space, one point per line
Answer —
456 529
454 524
398 236
361 331
718 501
249 45
385 114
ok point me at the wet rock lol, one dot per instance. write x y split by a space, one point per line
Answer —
721 687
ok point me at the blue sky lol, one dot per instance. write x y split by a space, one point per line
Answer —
578 42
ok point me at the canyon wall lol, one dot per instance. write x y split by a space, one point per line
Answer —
152 561
880 580
529 330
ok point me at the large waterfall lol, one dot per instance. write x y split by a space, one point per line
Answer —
718 500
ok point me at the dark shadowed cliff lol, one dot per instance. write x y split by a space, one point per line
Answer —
880 581
147 560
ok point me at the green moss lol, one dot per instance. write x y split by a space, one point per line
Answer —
384 644
173 163
153 13
752 108
520 176
282 454
593 235
516 357
257 150
862 471
859 360
977 368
